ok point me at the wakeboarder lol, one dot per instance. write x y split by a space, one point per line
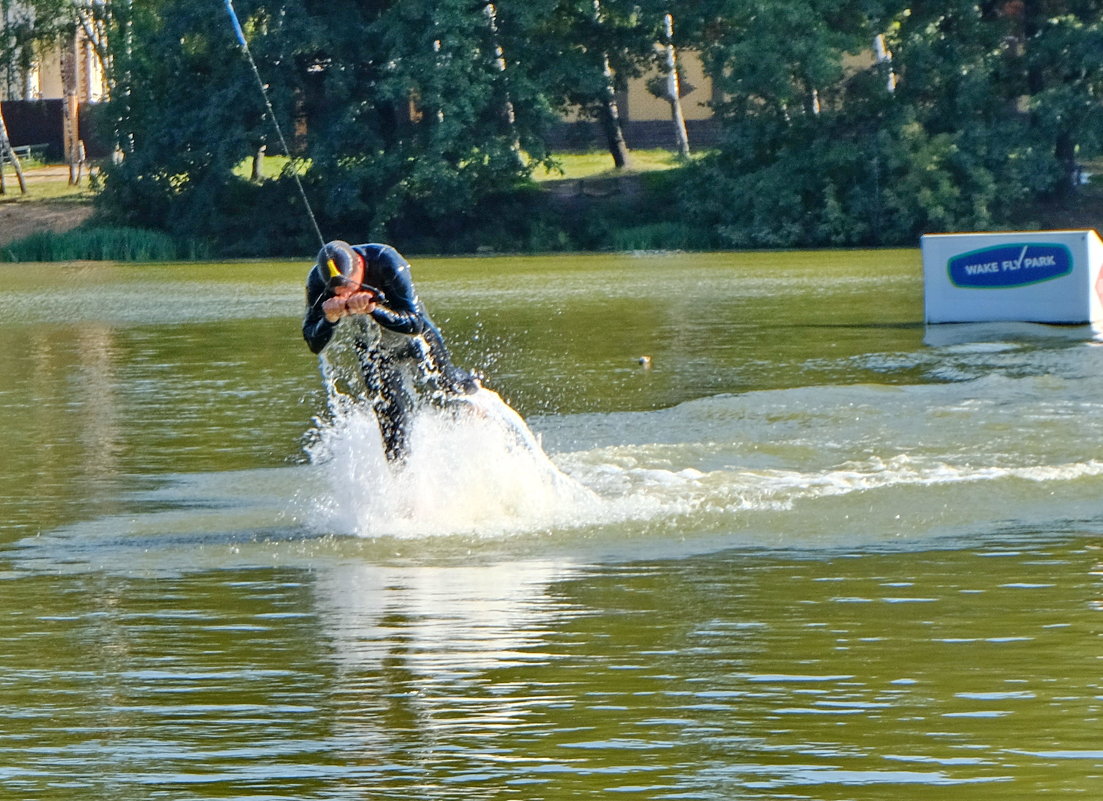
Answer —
400 351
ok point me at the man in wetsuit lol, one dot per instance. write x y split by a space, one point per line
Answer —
399 349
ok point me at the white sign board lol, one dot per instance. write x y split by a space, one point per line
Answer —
1032 276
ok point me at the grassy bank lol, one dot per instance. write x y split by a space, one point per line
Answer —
570 166
578 166
51 222
102 243
583 204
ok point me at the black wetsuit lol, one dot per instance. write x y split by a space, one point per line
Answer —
409 348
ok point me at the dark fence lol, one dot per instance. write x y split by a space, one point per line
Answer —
41 122
639 134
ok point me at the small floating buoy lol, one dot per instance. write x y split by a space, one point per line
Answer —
644 362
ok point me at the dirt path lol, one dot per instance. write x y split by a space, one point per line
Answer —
18 220
23 215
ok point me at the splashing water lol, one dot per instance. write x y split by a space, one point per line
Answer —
473 468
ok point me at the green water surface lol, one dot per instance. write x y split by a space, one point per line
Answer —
833 555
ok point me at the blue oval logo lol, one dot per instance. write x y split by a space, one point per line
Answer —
1010 265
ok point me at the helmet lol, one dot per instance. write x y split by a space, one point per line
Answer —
337 260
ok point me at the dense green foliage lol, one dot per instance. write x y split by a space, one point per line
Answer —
992 107
419 121
396 113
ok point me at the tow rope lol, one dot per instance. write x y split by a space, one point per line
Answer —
240 34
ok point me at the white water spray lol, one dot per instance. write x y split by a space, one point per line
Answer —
473 468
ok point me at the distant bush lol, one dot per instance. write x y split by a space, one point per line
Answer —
674 235
103 244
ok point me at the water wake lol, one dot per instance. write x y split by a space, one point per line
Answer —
817 467
819 464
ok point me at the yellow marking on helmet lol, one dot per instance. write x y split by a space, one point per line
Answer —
333 271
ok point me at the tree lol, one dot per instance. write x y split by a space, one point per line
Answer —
34 27
7 153
983 110
1059 47
412 119
783 59
1017 83
666 84
805 144
589 50
396 107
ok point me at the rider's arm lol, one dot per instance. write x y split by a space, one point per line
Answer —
399 310
317 330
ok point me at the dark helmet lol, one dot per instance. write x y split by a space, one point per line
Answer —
337 260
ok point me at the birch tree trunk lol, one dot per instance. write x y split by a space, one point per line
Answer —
610 111
6 152
509 115
883 56
71 109
256 174
674 88
93 21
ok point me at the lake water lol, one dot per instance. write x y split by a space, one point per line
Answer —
813 551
